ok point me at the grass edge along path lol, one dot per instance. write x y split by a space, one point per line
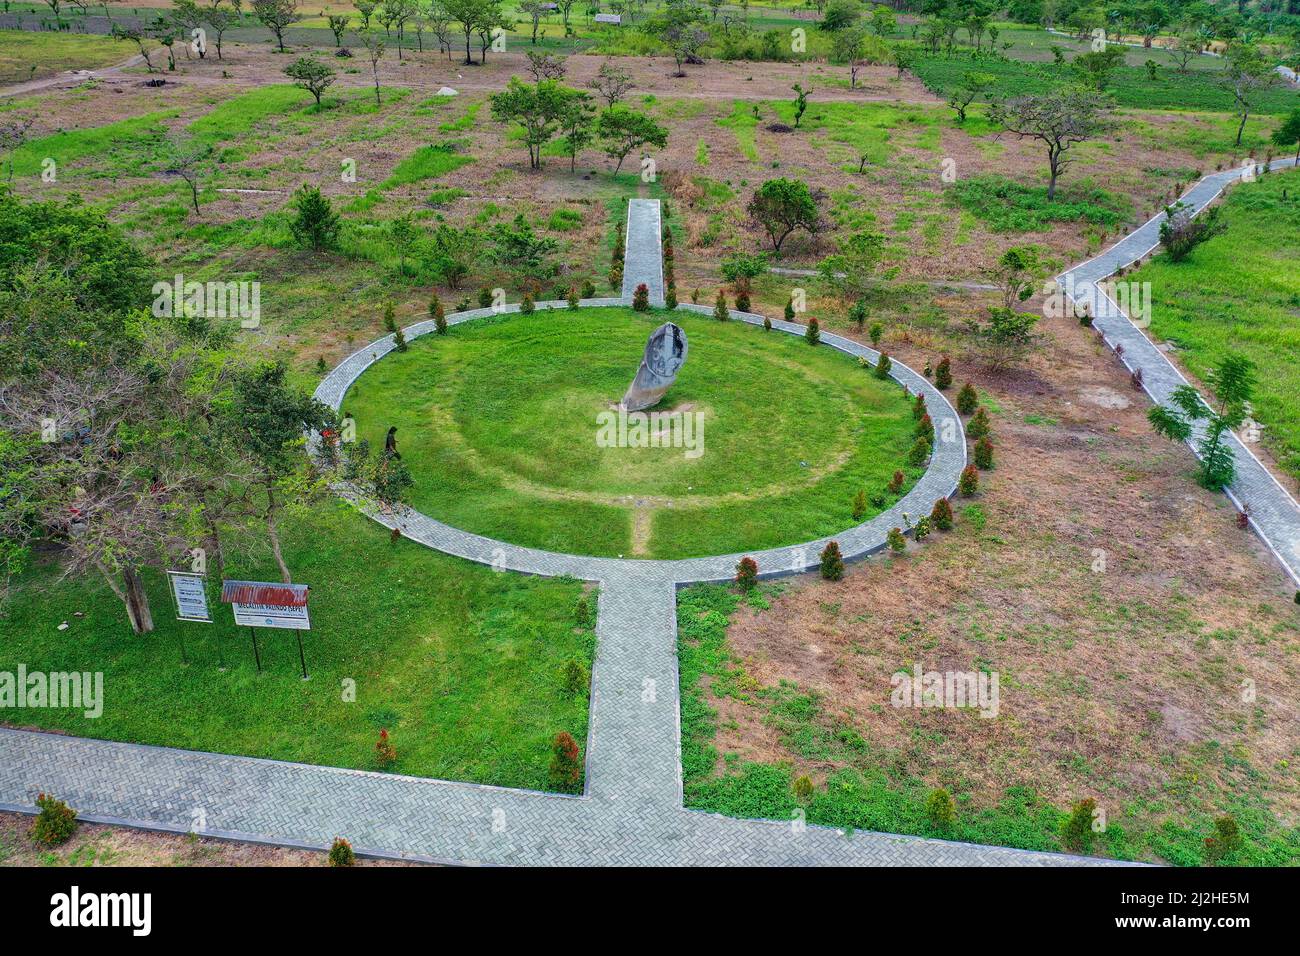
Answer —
467 669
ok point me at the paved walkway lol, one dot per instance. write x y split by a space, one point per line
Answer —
643 254
631 812
1274 513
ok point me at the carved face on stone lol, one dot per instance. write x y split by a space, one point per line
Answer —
665 353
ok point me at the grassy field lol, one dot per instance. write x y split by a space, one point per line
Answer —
497 421
31 55
463 667
869 787
1240 292
1131 86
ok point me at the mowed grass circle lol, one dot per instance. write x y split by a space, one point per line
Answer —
498 421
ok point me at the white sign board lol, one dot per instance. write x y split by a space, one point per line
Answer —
613 18
191 597
272 615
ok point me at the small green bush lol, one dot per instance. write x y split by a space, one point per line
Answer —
55 823
984 453
967 400
566 763
940 809
341 853
1226 839
832 562
720 311
803 787
969 483
859 505
941 515
641 298
582 612
919 452
576 678
1077 834
978 426
883 366
747 574
813 333
943 374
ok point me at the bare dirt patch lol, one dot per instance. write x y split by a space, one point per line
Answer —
97 845
1126 683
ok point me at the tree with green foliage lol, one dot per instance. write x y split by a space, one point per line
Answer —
277 16
310 74
453 252
373 44
800 103
315 224
741 269
622 130
840 15
1249 72
851 270
518 245
1019 272
1006 336
1288 134
338 24
576 126
1182 230
679 28
537 109
1060 119
882 21
1095 68
405 234
220 16
780 206
267 419
973 86
1233 382
846 47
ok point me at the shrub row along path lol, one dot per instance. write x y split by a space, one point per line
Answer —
1274 513
631 812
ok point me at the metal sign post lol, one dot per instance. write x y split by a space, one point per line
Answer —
258 604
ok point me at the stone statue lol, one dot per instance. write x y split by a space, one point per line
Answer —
665 354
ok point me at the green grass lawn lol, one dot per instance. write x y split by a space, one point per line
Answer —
32 55
498 423
1240 292
463 666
